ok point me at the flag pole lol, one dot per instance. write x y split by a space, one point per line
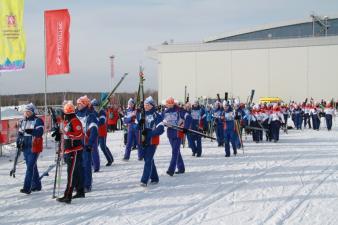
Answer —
44 33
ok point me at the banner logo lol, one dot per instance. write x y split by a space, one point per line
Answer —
11 21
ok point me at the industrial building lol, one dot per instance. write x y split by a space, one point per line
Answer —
293 60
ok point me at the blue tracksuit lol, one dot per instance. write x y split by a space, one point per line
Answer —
195 140
315 118
275 121
176 116
133 133
219 125
298 113
329 114
103 136
251 119
229 131
154 127
90 128
95 150
28 129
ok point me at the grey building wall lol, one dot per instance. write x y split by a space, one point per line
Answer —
292 69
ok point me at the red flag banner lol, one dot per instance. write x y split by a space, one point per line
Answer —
57 24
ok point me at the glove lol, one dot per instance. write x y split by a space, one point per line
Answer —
145 138
142 120
185 130
88 148
19 142
29 131
145 132
57 136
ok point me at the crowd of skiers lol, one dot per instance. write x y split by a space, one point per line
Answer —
84 126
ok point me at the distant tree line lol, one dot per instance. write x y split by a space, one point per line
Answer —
57 98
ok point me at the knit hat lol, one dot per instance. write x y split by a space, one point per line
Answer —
84 100
150 101
30 107
170 101
131 101
95 102
69 108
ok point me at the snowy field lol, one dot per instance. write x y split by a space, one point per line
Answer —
294 181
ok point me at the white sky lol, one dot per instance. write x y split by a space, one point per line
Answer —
126 28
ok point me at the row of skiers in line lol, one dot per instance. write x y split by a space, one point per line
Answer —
255 119
310 114
82 130
84 127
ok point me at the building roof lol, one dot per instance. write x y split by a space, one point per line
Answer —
153 52
260 28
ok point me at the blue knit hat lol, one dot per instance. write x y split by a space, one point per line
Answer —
150 101
131 101
94 102
30 107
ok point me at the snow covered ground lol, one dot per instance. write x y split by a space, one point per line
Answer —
294 181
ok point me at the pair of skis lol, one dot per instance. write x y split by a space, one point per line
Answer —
46 173
256 128
188 130
237 124
105 102
140 106
238 131
17 155
58 163
58 172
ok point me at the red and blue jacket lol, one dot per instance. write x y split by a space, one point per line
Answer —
72 135
89 124
154 125
130 119
102 123
30 129
176 116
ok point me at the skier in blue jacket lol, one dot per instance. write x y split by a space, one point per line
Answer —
30 139
133 134
195 140
174 115
90 129
151 127
229 129
95 151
